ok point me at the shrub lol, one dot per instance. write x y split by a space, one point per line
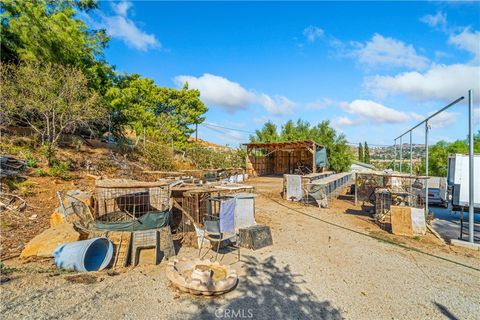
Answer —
26 188
48 151
40 173
61 169
30 159
209 158
159 156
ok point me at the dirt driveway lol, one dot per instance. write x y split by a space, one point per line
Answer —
324 264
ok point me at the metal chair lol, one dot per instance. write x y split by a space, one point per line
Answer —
212 233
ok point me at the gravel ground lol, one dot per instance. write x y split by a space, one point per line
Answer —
314 270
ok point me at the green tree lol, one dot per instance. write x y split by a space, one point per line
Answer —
339 153
268 133
438 155
360 152
50 99
366 151
49 31
139 104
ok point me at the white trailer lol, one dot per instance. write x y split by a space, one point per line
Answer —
456 187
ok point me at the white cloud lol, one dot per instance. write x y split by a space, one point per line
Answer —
385 51
375 112
320 104
440 82
443 119
343 121
312 33
278 105
121 8
120 26
467 40
231 96
219 91
438 20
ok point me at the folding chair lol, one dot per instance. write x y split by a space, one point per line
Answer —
212 233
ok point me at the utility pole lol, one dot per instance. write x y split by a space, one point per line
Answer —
471 182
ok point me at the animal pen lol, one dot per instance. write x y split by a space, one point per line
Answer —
387 191
191 202
135 204
291 157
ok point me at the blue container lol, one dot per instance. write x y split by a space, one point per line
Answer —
87 255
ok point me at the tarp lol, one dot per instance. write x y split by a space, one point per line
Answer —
321 157
244 210
418 221
151 220
294 187
227 216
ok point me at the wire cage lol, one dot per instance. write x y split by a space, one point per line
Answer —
196 203
386 198
367 183
119 201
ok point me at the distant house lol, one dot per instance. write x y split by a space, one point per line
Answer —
358 166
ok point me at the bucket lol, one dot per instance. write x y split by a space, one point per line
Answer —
87 255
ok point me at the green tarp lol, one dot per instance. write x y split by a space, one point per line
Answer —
151 220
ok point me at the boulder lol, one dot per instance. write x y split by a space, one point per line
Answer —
57 218
46 242
74 209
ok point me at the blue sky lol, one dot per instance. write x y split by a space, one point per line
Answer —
372 68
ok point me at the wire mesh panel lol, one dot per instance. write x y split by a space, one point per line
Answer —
196 204
116 204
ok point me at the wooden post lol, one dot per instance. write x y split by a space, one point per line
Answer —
314 167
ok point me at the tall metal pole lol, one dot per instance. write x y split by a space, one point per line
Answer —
411 161
401 155
394 153
426 166
471 213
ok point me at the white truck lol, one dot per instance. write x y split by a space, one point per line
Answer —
455 189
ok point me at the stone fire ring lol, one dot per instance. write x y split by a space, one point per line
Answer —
201 277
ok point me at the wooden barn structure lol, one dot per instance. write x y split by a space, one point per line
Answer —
291 157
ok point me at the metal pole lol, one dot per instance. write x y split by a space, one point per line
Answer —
394 154
401 155
471 213
356 184
411 161
426 165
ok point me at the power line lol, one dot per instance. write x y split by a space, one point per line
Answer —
217 126
212 126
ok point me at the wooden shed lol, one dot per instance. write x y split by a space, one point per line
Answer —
291 157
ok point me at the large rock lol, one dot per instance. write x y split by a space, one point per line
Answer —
76 211
57 218
46 242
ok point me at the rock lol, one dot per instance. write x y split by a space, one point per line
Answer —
56 218
46 242
72 203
